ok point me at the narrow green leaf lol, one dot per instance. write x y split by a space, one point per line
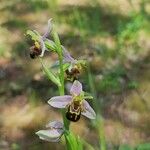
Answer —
70 141
125 147
75 142
79 143
50 75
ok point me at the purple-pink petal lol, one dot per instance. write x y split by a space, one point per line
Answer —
88 110
60 101
76 88
55 125
49 27
50 135
67 56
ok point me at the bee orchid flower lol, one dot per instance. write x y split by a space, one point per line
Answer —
53 132
74 66
74 103
39 48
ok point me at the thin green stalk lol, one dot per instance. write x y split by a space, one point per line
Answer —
61 74
61 92
100 128
61 88
99 119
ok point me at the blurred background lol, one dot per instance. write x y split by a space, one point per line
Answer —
113 35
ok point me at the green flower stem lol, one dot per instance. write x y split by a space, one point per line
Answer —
61 88
61 74
61 92
100 128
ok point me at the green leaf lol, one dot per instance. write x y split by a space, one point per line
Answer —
50 75
75 142
79 143
125 147
145 146
71 141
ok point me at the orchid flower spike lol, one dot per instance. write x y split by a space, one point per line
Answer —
53 132
38 49
74 103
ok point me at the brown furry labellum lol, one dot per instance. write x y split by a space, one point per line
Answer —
74 111
73 73
35 50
